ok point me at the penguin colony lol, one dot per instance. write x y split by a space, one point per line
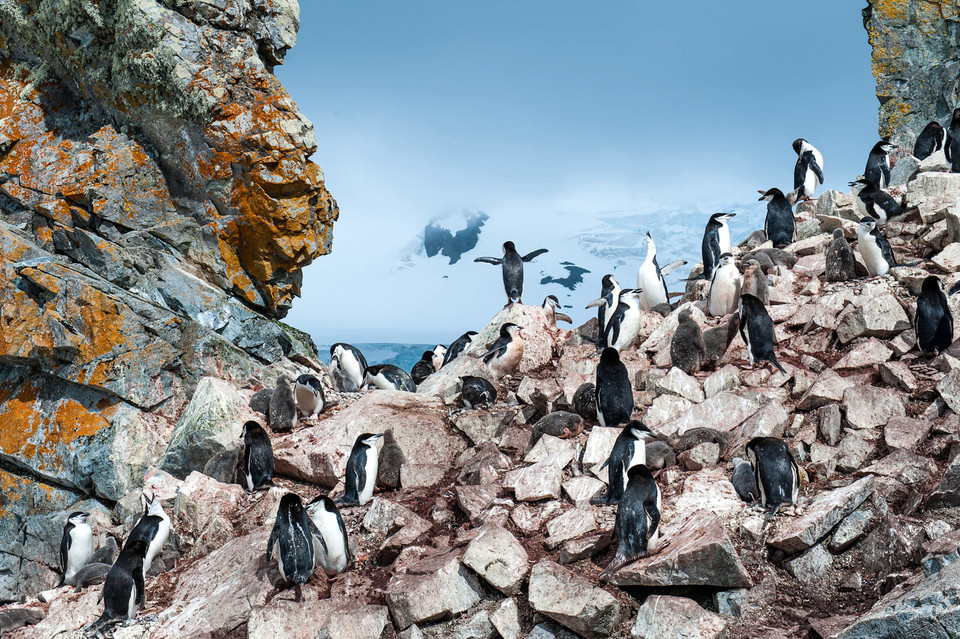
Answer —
305 537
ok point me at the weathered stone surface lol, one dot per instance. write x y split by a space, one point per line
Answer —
870 406
828 389
699 554
949 389
582 489
498 557
343 618
539 481
898 375
433 588
319 455
573 601
599 445
870 353
826 510
484 426
880 316
665 408
547 446
947 492
853 527
539 340
769 421
506 619
473 500
664 617
676 382
722 412
727 378
855 449
571 524
810 567
905 467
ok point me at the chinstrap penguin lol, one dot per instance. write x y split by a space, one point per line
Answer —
76 546
614 394
361 471
389 462
551 308
776 472
283 407
687 350
952 146
294 535
637 525
153 529
877 171
505 354
629 449
309 394
779 224
874 248
123 588
756 329
476 391
423 368
725 287
458 346
610 294
389 377
623 325
877 204
257 465
347 365
716 242
930 140
333 554
650 282
841 265
808 171
934 321
512 267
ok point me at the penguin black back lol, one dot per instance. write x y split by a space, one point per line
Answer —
512 269
877 171
638 516
123 587
934 321
952 147
361 471
776 472
610 293
756 328
476 391
423 368
929 141
457 347
293 534
716 242
614 394
257 456
779 224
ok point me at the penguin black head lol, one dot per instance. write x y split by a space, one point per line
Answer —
609 356
369 439
726 259
867 224
722 217
639 470
609 281
427 356
137 547
551 300
771 194
883 146
508 247
509 330
290 503
797 145
78 517
310 381
322 502
638 429
932 286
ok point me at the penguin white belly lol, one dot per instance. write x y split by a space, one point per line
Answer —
81 550
651 287
132 605
365 493
724 294
352 368
638 456
810 182
723 236
509 361
861 206
306 400
654 539
283 571
629 328
873 257
156 544
334 560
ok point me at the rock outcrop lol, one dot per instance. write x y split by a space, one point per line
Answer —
157 207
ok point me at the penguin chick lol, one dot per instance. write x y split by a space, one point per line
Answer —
841 266
776 472
260 401
585 401
744 480
779 224
933 321
512 267
389 377
778 257
423 368
283 407
874 248
223 465
808 171
389 462
76 546
755 282
756 329
361 472
106 553
637 525
551 306
877 171
717 340
659 455
93 573
458 346
687 350
716 242
725 287
557 424
614 394
629 450
257 457
505 354
476 392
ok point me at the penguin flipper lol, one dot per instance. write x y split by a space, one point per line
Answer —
489 260
816 167
533 254
274 536
346 542
650 506
312 527
946 147
886 250
561 317
139 586
672 266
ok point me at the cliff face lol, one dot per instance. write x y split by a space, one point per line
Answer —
157 206
916 61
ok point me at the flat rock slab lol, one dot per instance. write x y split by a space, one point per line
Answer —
433 588
572 601
540 481
906 433
826 511
722 412
828 389
345 618
664 617
699 554
497 556
869 406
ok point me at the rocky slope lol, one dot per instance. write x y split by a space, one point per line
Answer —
494 535
916 63
157 205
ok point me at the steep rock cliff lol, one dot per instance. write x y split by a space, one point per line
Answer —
157 206
916 61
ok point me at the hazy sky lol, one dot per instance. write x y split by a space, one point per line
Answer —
551 113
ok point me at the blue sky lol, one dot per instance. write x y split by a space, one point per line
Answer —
554 118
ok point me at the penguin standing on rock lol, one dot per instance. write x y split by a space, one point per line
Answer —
610 294
716 242
934 321
628 450
512 265
930 140
874 247
294 535
153 529
476 392
123 588
808 172
389 461
76 546
505 354
551 306
776 472
779 224
333 554
283 407
423 368
257 456
756 328
725 287
650 282
687 350
389 377
841 266
347 365
877 204
614 394
877 171
637 525
623 325
361 473
458 346
952 146
309 395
